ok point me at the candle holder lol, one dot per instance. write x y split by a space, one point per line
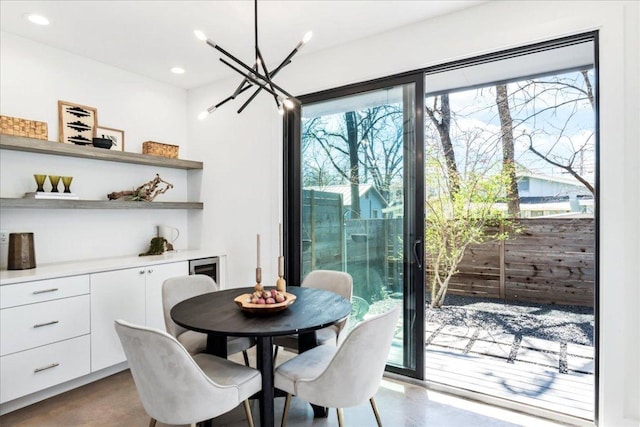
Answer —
281 284
258 286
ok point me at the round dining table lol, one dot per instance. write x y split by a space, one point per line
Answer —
217 315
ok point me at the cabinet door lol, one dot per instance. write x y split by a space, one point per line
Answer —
156 275
115 295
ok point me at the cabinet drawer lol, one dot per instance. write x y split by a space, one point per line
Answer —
43 290
39 368
34 325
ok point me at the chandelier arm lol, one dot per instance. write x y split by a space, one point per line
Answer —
271 74
285 62
246 67
251 79
266 73
241 87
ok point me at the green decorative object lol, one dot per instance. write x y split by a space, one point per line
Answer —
66 181
40 179
55 180
157 246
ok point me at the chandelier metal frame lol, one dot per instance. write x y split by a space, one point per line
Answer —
252 75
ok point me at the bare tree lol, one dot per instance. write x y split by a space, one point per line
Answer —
441 119
360 145
508 151
562 152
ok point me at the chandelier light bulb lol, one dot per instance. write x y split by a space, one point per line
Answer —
280 110
288 103
307 37
200 35
37 19
203 115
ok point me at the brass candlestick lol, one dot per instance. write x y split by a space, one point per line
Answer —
258 286
281 285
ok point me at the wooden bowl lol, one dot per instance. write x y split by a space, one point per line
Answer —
244 302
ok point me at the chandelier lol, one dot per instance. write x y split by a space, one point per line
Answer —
257 75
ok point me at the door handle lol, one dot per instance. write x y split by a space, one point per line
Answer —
415 253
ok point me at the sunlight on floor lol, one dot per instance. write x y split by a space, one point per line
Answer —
479 408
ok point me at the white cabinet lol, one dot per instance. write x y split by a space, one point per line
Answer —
155 276
57 323
33 370
115 295
44 331
134 295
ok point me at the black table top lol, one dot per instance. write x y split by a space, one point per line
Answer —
216 313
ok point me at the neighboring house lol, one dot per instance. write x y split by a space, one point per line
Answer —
371 201
544 195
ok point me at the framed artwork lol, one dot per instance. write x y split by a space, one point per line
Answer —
115 135
76 123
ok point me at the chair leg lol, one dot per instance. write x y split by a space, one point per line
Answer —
375 411
340 417
247 411
152 422
275 354
286 411
246 358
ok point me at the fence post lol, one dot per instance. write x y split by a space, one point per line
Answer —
502 266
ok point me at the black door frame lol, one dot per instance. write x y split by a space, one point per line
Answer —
414 292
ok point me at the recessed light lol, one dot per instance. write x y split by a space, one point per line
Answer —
34 18
177 70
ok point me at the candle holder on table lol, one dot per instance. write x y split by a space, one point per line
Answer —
281 284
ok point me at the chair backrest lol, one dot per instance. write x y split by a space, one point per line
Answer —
180 288
338 282
354 374
172 387
329 280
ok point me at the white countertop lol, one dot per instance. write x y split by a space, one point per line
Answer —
74 268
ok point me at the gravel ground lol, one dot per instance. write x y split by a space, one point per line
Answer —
564 323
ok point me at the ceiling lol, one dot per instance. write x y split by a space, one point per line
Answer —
148 37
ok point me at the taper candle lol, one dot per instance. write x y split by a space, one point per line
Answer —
280 240
258 255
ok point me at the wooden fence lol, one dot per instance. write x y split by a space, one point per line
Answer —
552 261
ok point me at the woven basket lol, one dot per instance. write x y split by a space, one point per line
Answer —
23 127
159 149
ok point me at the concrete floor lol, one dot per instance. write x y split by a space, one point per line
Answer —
113 401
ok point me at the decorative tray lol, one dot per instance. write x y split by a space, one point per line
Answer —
244 302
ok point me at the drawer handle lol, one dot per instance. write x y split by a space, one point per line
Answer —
40 325
44 368
44 291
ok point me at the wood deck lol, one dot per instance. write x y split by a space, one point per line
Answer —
551 375
570 393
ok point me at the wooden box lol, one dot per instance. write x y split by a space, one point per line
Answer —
23 127
159 149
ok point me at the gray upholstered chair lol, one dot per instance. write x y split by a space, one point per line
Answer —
345 375
338 282
177 289
176 388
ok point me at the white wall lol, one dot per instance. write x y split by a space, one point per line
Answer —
246 150
33 77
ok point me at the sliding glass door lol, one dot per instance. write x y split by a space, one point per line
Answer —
352 164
